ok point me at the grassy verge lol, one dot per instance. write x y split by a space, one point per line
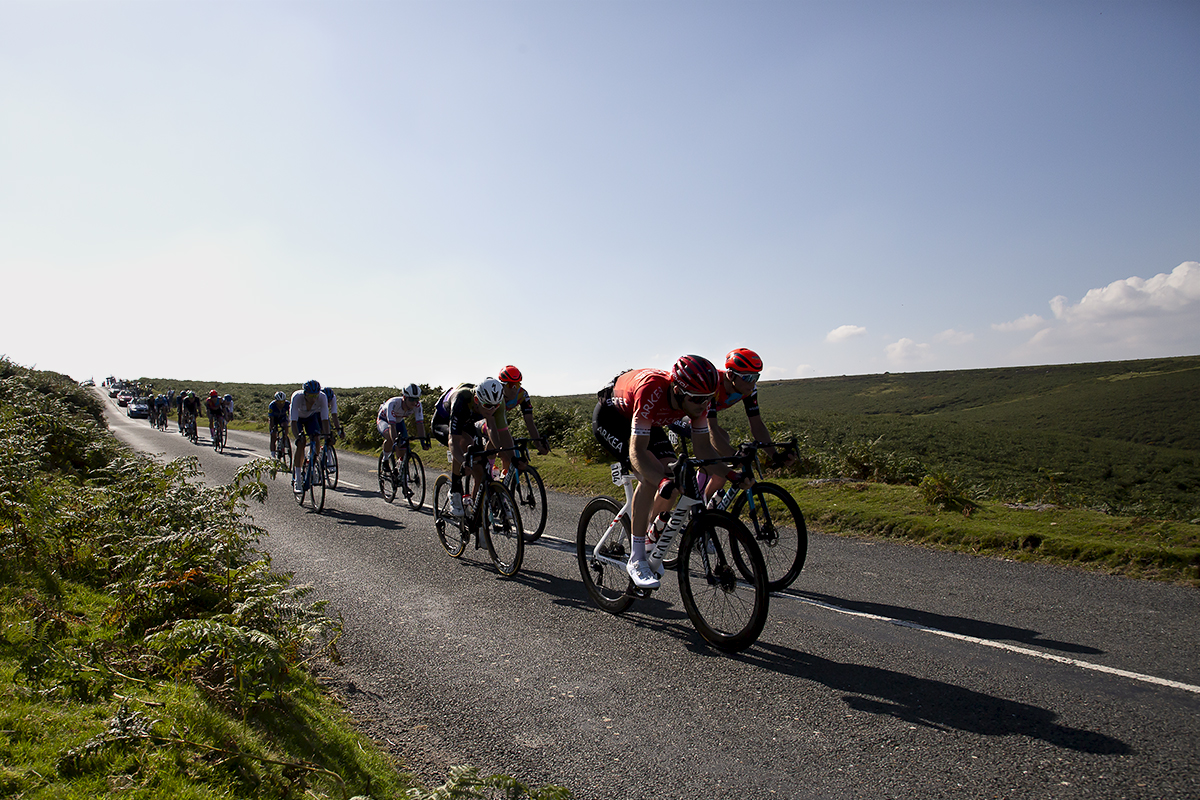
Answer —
147 647
1132 546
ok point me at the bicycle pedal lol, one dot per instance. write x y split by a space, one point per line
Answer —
633 591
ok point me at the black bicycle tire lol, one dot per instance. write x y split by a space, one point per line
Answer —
706 592
330 482
413 467
529 484
507 563
784 560
449 533
318 485
387 486
612 597
298 488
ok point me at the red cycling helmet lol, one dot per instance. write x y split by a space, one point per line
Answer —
510 374
694 375
743 360
212 393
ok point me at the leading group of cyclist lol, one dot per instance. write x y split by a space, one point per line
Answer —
629 421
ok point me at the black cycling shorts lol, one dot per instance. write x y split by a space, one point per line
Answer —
613 430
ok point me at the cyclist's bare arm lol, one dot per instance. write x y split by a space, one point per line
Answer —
534 435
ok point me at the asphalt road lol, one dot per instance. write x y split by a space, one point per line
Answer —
887 671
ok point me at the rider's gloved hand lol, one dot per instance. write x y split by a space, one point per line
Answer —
425 443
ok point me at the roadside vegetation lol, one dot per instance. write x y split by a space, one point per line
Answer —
1096 465
147 648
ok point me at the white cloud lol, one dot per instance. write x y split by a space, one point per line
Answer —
906 351
1131 318
844 332
1134 297
1028 322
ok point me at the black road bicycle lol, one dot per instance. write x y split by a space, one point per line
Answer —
528 490
489 513
728 607
408 478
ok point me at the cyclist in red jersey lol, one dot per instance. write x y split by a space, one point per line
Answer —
628 422
739 382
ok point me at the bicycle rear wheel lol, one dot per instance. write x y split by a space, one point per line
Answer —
778 527
728 613
505 538
606 583
285 454
387 487
330 467
412 480
530 494
449 527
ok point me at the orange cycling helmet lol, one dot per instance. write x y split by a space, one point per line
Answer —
510 374
743 360
695 375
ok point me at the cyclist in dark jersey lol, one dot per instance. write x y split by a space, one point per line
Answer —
514 396
628 421
278 418
463 415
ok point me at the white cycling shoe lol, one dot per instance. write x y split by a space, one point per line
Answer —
456 504
642 575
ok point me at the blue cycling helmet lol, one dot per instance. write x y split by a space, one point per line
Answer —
328 393
312 387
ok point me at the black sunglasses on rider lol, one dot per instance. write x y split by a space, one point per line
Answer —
698 399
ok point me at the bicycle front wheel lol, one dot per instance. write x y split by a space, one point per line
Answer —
607 584
448 526
331 467
728 613
316 484
502 521
778 527
530 494
298 487
412 480
387 487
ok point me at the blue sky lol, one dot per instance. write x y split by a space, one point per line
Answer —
383 192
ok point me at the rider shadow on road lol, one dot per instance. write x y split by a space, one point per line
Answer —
351 518
932 703
963 626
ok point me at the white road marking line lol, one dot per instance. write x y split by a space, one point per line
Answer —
1075 662
351 485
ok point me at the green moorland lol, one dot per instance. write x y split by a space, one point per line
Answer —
1096 465
147 648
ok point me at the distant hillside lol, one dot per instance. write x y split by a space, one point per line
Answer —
1122 435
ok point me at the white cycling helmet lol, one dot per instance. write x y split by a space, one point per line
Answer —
280 396
490 392
412 392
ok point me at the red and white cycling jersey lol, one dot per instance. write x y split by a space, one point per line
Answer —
644 395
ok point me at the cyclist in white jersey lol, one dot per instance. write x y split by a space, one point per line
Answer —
309 415
390 422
